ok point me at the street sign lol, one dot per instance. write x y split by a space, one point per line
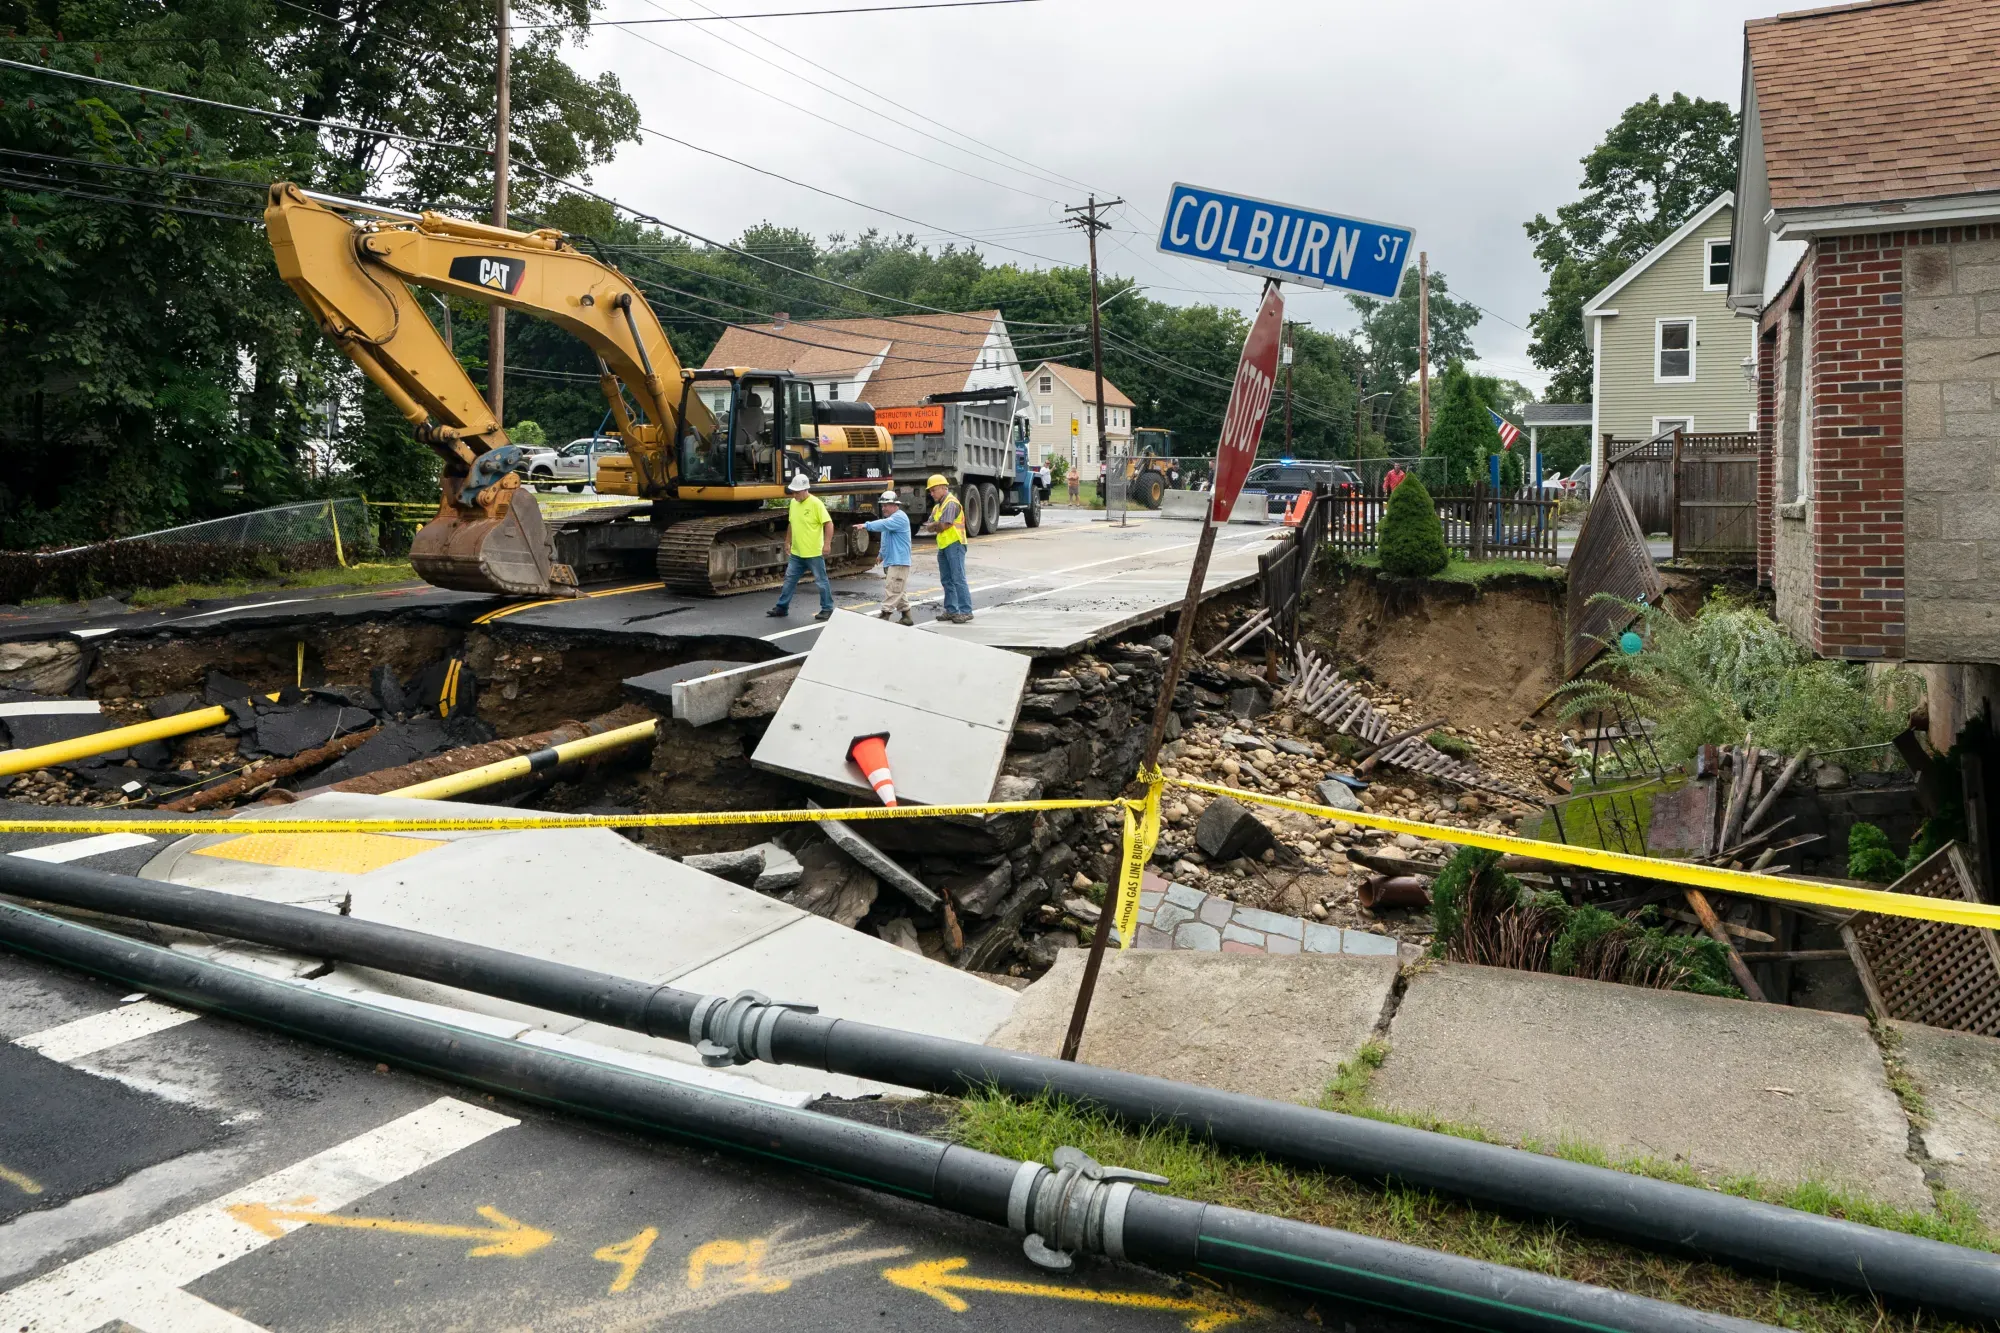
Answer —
911 420
1249 402
1286 242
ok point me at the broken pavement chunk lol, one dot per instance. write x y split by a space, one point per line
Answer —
395 745
1338 795
286 731
171 705
221 689
744 867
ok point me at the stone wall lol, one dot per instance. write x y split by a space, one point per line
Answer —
1952 433
1791 569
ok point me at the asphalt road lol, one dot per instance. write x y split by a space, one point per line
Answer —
188 1174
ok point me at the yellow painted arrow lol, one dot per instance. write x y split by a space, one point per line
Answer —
942 1280
505 1237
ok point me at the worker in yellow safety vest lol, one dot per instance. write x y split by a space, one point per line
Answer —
948 522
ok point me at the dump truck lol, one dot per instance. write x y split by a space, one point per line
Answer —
978 439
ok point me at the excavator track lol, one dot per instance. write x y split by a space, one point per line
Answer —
719 554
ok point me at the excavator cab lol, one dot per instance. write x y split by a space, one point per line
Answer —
760 430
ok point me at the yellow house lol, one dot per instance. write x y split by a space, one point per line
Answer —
1063 400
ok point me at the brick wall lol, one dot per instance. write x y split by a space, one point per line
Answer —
1951 426
1855 340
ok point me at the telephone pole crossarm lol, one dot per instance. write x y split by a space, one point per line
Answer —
1088 218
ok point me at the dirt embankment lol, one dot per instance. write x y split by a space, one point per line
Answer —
1481 656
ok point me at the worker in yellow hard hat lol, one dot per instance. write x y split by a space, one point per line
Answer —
948 522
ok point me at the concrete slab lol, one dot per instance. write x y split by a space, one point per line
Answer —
1270 1027
1960 1076
948 708
1726 1086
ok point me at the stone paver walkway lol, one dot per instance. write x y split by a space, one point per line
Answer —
1174 916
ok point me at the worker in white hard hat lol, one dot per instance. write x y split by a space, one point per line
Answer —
894 525
948 522
811 531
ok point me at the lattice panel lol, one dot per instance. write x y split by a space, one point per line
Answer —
1926 971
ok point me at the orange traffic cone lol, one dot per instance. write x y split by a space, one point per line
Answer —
1297 513
870 754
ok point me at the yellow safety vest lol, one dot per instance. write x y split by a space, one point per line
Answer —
951 535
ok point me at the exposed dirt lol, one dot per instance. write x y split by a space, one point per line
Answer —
1480 656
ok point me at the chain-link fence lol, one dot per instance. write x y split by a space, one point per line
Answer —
265 543
1135 481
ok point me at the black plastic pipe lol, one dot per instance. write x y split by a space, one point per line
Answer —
1759 1236
1156 1231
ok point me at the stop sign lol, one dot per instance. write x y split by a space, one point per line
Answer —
1249 401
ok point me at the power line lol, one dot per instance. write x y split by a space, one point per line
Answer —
43 188
785 14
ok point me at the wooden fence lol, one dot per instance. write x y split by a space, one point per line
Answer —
1700 488
1479 524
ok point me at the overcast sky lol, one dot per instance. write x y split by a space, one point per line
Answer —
1460 118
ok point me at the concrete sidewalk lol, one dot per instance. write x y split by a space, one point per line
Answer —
1725 1088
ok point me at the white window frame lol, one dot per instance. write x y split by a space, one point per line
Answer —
1708 263
1687 422
1048 415
1659 333
1048 383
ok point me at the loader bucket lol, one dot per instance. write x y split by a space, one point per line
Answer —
509 554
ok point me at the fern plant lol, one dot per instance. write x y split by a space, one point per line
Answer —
1729 670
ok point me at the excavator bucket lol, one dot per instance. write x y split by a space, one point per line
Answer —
510 553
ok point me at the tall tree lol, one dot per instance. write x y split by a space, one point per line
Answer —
1654 170
1463 434
1389 330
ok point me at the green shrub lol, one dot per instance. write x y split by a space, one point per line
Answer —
1869 855
1463 434
121 567
527 432
1411 540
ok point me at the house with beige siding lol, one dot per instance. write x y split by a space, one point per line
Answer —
1063 400
1666 348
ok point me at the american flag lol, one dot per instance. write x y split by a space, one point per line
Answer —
1509 432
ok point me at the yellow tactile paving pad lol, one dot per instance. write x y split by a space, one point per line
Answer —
341 853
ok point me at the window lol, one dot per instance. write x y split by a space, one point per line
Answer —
1715 265
1673 351
1048 414
1672 423
1089 415
833 392
1048 384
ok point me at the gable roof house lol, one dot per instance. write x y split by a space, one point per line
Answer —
1867 249
1063 394
888 362
1665 346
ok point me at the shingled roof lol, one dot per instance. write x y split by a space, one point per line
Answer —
1888 100
921 353
1084 382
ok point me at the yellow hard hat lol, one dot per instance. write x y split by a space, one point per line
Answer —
937 479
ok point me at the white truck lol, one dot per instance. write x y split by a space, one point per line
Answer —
978 440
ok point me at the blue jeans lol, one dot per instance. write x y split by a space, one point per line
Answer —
951 572
797 565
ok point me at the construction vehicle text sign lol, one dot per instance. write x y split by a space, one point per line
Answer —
911 420
1249 402
1286 242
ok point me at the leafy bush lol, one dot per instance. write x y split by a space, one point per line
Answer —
1058 469
1411 540
1731 669
527 432
1463 434
1869 855
116 567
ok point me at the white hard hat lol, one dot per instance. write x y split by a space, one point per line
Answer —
798 482
891 498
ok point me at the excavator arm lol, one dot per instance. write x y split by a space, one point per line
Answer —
353 264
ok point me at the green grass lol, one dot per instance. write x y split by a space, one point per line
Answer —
1456 746
354 576
1474 572
1200 1171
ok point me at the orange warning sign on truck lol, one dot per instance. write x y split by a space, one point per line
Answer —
911 420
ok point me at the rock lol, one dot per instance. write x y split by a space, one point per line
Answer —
1338 795
383 684
1173 726
1238 740
1286 745
1056 861
1248 702
902 933
1829 777
1035 737
1469 804
1080 881
1228 830
782 871
744 867
47 667
833 886
1041 950
171 705
1082 909
1056 684
979 892
1409 842
985 950
1048 707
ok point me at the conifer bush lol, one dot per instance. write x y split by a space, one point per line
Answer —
1411 539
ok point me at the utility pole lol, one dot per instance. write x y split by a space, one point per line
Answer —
1360 407
1423 349
1086 218
496 319
1285 354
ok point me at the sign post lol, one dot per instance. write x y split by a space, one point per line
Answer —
1242 428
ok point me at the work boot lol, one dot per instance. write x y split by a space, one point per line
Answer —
884 613
779 612
906 619
824 615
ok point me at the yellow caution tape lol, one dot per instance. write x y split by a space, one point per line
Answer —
1815 892
505 823
1140 839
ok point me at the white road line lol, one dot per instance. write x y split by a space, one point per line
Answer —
171 1310
132 1276
71 1041
77 849
48 707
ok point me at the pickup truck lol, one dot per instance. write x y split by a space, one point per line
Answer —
574 465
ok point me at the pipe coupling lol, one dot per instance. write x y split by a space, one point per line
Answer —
738 1030
1078 1206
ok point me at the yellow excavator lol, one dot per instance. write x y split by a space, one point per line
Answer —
706 448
